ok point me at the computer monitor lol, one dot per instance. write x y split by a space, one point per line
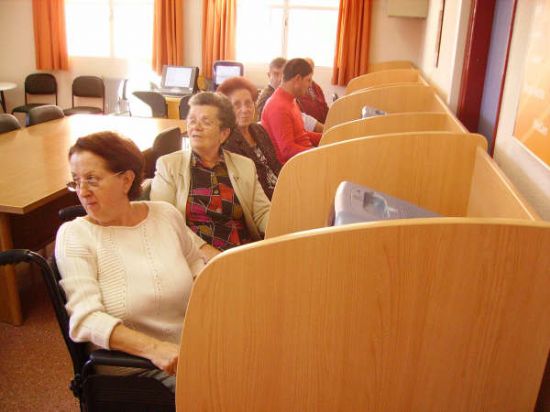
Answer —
179 78
224 70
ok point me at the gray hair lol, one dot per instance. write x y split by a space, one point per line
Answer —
226 116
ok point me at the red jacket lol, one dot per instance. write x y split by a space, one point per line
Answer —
314 103
282 119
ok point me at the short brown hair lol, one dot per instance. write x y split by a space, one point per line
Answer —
296 67
277 63
120 154
237 83
226 116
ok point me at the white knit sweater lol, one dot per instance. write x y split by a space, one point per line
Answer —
140 276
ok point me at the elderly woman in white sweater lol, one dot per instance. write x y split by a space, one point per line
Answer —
127 267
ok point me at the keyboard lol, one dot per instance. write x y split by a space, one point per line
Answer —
174 92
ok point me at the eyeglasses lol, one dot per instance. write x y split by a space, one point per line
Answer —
204 122
91 182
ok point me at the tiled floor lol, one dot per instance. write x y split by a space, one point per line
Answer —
35 368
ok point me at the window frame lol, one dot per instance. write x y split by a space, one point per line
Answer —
286 6
112 4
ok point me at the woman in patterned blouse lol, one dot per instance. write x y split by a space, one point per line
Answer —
249 138
217 191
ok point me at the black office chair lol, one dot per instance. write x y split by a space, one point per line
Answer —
167 141
225 69
184 106
155 100
8 122
87 87
37 84
43 114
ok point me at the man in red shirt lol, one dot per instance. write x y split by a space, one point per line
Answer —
282 117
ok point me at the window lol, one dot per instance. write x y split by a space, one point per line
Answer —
289 28
110 28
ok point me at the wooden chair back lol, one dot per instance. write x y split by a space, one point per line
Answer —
384 78
434 170
393 123
390 65
425 315
391 99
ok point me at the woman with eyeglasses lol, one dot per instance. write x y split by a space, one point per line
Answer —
127 267
249 138
217 191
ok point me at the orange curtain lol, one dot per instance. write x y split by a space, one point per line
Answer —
218 32
352 41
167 34
50 40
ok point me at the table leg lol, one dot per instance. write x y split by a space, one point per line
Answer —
3 101
173 106
10 304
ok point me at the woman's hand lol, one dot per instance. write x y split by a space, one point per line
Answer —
208 252
164 356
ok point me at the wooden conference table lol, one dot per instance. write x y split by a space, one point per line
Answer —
33 172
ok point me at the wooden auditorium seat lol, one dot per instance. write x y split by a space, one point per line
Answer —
393 123
390 65
442 314
391 99
448 173
384 78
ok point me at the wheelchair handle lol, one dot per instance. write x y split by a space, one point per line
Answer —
13 256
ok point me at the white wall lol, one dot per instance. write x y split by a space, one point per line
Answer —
527 172
16 46
395 38
447 75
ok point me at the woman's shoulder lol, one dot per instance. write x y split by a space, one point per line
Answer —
74 235
259 133
234 142
76 227
174 159
163 211
160 207
257 127
238 159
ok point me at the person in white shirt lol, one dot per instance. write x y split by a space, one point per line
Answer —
127 267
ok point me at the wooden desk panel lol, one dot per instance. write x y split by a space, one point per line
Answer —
33 171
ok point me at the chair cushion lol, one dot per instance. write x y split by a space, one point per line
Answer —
26 107
83 110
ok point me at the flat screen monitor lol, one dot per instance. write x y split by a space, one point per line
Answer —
226 72
178 77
